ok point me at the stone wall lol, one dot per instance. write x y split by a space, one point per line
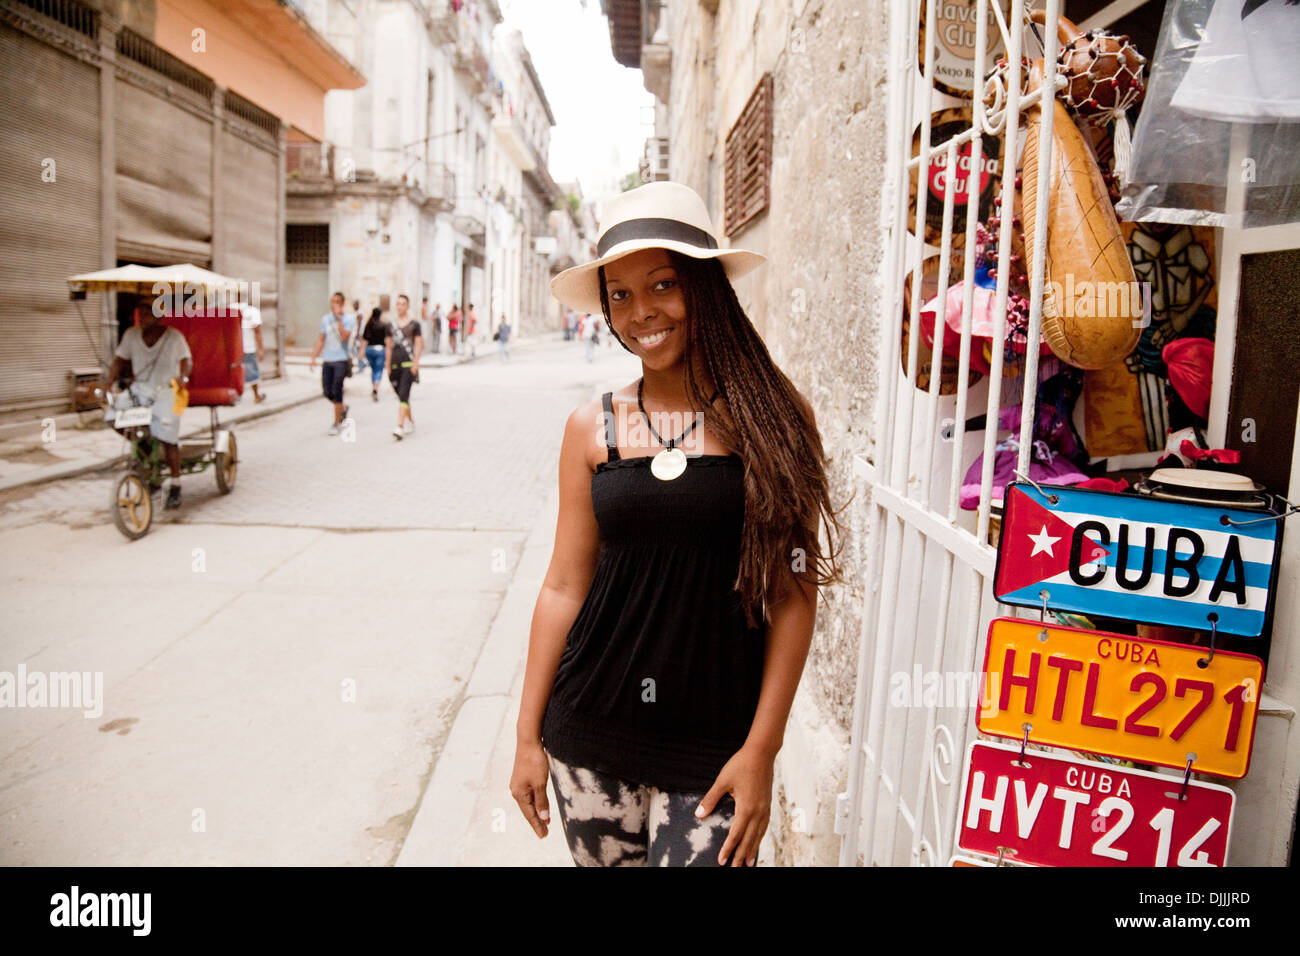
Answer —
817 301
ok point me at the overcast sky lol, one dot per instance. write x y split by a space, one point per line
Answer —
603 114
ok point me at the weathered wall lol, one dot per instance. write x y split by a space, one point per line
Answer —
816 302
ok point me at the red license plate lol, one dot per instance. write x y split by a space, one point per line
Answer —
1057 811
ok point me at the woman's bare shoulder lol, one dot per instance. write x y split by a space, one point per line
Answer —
584 430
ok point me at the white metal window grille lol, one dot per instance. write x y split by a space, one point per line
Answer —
928 600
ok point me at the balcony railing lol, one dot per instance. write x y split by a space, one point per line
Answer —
309 162
471 56
471 215
441 183
442 16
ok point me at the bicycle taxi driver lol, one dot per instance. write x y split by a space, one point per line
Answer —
157 354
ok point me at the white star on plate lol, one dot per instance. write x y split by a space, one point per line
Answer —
1042 542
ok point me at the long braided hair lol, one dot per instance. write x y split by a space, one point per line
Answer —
787 494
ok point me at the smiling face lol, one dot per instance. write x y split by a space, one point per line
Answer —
647 307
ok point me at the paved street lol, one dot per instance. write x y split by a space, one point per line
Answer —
284 667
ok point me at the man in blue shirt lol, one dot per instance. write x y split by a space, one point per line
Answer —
336 329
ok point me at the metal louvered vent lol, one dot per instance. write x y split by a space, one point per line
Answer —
748 162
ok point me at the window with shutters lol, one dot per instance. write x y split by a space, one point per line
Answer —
307 244
747 175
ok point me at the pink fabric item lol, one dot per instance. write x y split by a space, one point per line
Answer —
1104 484
1191 366
981 324
1224 456
1045 467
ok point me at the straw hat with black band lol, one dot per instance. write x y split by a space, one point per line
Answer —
660 215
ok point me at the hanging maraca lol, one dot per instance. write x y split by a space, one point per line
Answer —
1104 76
1092 305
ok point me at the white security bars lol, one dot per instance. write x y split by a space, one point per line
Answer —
929 565
929 562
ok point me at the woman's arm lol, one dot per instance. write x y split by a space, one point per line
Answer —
568 578
789 635
748 775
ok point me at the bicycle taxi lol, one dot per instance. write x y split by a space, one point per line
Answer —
200 305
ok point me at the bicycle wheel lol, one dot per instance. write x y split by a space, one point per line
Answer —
227 465
132 506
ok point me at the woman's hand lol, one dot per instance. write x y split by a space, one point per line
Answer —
528 785
747 776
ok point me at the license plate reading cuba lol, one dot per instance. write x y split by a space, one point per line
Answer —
1056 811
1137 558
132 417
1113 694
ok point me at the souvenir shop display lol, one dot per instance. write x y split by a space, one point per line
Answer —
944 125
1086 321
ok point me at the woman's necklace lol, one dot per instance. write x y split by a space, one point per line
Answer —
671 462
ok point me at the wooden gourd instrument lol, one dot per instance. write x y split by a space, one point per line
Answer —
1092 305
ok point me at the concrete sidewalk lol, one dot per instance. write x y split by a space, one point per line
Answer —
467 816
67 445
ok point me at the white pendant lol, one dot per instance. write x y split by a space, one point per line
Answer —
668 464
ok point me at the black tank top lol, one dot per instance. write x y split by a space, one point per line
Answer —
660 675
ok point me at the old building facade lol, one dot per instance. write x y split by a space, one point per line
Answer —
156 132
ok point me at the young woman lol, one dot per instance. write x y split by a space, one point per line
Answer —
453 327
402 349
375 334
674 621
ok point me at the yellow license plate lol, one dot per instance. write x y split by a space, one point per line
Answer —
1102 693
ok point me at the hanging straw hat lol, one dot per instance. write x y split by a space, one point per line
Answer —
660 215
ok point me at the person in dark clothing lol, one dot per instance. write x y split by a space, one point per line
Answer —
375 334
674 621
402 348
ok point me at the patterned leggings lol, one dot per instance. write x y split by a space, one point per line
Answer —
610 822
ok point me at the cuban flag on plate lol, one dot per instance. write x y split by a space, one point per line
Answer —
1137 558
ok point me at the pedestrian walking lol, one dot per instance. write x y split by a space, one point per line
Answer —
436 330
375 334
251 322
593 336
672 625
402 350
471 330
336 328
503 339
354 344
453 327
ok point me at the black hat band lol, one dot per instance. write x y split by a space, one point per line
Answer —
672 229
